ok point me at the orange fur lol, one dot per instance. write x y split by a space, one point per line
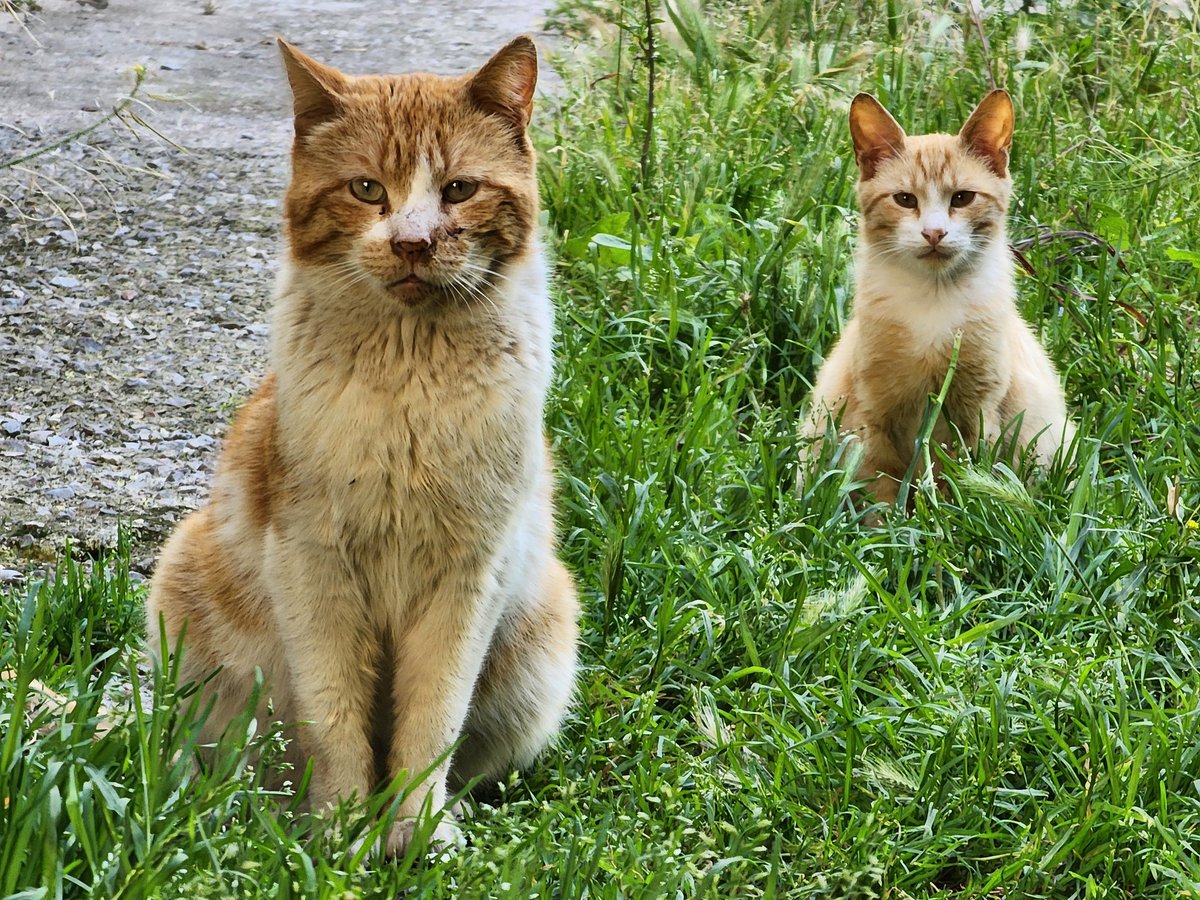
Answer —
380 540
933 267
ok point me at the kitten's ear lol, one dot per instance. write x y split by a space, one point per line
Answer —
989 131
505 83
315 87
877 136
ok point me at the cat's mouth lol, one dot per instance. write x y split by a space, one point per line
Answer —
411 290
410 280
936 254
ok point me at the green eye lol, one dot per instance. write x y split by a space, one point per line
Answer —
908 201
961 199
458 191
367 191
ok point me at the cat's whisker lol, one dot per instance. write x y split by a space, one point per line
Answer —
362 476
345 276
478 293
489 272
932 297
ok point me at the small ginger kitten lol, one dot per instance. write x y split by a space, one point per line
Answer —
380 536
933 263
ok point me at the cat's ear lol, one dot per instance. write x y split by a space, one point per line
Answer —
505 83
877 136
315 87
989 131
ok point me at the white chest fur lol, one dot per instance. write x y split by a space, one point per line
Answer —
412 425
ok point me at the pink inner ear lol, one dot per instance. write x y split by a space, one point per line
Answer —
870 158
506 83
877 136
995 156
998 160
314 88
988 132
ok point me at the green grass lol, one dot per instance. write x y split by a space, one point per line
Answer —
996 696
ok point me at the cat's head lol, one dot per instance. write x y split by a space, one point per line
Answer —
413 189
934 203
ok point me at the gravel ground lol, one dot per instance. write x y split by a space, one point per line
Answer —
135 275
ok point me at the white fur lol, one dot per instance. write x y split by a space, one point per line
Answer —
417 217
932 310
462 431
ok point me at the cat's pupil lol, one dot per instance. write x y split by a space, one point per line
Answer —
906 200
961 199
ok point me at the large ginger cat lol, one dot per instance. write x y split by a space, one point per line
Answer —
932 263
380 535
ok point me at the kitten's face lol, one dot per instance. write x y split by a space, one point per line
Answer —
934 204
415 188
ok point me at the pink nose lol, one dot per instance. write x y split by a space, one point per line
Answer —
934 235
411 251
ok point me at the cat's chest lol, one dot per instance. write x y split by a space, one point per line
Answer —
420 446
903 363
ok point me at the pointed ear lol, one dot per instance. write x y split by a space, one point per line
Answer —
505 84
315 88
988 133
877 136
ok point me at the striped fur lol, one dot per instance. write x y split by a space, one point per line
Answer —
933 264
380 536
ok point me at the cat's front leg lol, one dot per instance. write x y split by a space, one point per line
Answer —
438 660
332 653
882 462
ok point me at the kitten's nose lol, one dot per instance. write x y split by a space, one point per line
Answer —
933 235
411 251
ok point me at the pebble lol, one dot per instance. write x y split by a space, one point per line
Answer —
126 334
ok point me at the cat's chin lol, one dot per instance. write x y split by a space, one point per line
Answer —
411 290
940 257
942 264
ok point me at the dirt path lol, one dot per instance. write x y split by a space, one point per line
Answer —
135 276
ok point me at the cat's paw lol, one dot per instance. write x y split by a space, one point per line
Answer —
445 840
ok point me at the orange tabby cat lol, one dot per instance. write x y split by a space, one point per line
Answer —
380 536
933 263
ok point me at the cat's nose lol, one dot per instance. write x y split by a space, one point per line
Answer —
411 251
933 235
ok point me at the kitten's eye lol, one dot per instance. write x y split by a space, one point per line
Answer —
961 199
908 201
458 191
368 191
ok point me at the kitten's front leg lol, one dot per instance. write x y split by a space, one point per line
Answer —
882 462
438 661
331 652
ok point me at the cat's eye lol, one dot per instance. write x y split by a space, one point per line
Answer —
457 191
961 198
367 191
908 201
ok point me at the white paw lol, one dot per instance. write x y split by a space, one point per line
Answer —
446 839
